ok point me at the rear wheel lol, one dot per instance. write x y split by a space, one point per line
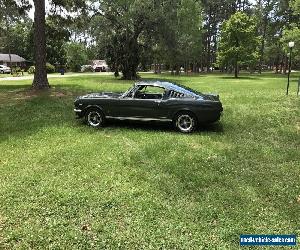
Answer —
95 118
185 122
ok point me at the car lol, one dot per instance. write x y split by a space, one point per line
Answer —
4 69
100 69
87 68
151 101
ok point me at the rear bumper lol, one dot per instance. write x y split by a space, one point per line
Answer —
209 116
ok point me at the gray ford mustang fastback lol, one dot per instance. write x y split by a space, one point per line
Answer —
151 101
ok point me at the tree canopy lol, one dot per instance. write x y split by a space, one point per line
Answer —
137 35
238 43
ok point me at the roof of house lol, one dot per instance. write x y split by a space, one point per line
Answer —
14 58
99 62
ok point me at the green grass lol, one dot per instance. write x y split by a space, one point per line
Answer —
64 185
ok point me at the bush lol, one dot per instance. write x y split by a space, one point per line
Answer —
16 69
31 70
50 68
87 68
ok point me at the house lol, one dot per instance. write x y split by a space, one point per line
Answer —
12 60
100 65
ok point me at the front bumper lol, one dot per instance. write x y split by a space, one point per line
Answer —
78 113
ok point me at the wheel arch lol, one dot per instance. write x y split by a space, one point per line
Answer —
184 110
89 107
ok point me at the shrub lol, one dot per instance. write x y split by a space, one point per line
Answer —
87 68
16 69
50 68
31 70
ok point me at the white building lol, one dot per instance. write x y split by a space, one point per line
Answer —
100 65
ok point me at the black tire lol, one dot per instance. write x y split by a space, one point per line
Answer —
95 118
185 122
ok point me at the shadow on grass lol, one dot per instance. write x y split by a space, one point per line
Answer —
241 78
71 89
25 115
29 114
160 126
8 87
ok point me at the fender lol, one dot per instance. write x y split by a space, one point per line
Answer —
93 106
183 110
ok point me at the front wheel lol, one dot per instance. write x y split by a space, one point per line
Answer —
95 118
185 122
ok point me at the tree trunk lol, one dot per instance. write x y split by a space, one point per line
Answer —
262 46
130 73
236 69
277 64
40 80
281 65
177 72
155 68
236 65
209 31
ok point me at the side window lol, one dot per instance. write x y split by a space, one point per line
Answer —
153 90
175 94
149 92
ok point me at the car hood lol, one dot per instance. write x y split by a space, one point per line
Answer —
101 95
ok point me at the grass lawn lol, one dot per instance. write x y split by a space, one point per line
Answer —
64 185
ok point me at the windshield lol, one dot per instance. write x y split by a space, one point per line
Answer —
126 93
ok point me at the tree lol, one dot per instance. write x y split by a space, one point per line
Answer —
238 42
56 37
124 24
40 80
292 32
10 12
295 4
264 9
289 35
76 56
20 39
181 33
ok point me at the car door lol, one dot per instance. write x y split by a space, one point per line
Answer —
142 103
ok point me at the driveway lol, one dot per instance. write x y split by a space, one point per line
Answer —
30 77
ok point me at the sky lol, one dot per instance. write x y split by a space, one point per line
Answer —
31 12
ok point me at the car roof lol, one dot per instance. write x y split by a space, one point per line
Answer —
168 86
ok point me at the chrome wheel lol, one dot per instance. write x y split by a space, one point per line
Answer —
94 118
185 123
